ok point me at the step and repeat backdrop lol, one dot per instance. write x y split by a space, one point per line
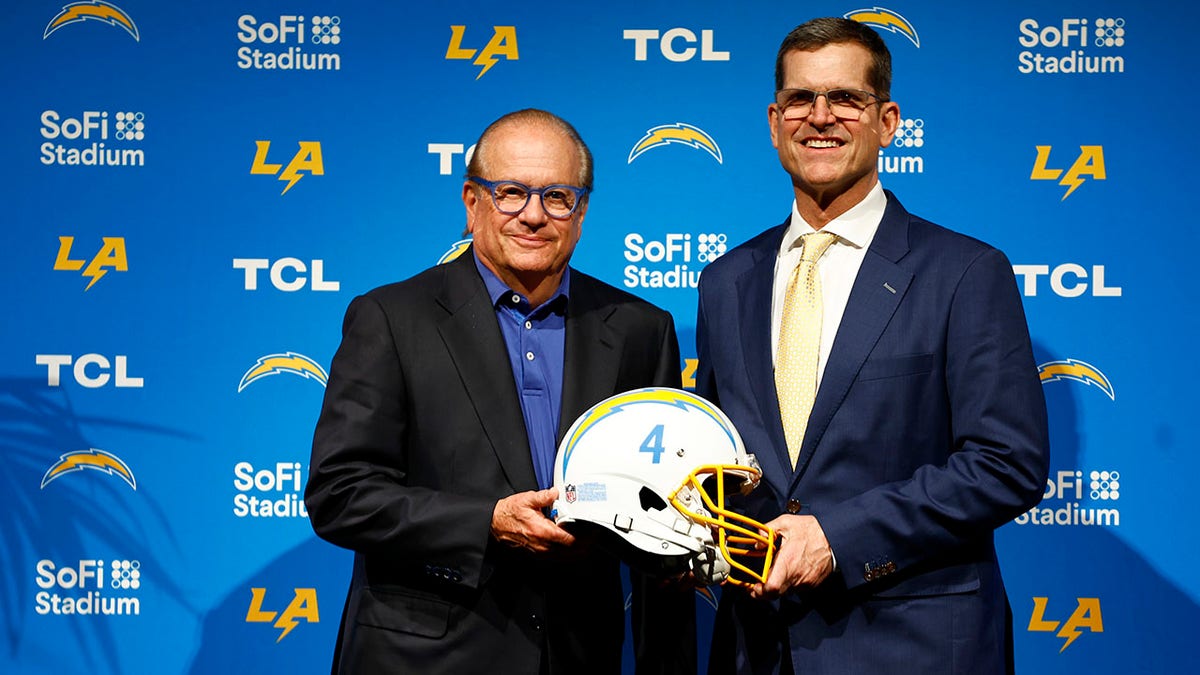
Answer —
193 193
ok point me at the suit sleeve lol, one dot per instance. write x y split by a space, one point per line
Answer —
357 494
706 384
999 457
663 616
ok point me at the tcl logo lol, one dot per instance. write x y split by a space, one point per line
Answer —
90 370
286 274
668 41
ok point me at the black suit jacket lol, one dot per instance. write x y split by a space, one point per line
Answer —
421 432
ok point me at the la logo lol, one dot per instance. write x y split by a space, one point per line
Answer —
306 160
111 255
503 43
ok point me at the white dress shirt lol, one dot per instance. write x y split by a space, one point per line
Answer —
838 267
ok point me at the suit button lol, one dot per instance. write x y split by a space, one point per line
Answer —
535 621
793 506
456 577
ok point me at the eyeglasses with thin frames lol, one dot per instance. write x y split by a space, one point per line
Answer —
844 103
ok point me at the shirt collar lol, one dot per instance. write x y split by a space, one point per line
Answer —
855 227
501 295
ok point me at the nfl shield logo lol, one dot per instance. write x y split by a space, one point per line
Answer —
570 494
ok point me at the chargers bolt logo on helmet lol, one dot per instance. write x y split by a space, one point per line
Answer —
650 470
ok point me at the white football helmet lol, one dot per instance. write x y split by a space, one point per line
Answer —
654 467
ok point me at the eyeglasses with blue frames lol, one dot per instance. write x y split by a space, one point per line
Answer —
844 104
511 197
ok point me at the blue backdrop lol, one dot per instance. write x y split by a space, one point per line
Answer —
194 193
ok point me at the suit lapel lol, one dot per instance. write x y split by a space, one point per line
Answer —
877 291
592 351
477 348
755 286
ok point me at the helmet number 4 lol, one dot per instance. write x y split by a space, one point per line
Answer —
654 443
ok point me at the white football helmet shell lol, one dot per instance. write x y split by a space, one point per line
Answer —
654 466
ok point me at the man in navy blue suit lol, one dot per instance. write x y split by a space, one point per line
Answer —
925 427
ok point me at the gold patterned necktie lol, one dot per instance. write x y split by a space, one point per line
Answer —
800 342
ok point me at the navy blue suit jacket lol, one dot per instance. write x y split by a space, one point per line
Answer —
928 432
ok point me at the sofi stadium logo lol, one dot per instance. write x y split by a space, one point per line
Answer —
677 133
289 42
1078 498
86 138
501 45
275 491
883 19
904 154
306 161
671 261
88 587
284 363
1071 46
92 11
301 607
1047 617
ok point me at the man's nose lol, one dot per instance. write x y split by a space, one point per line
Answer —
533 211
821 114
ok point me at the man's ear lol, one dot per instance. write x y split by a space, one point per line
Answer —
470 200
889 122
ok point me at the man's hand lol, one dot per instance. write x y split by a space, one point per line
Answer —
517 520
803 560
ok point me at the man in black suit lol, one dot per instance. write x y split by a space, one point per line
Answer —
433 455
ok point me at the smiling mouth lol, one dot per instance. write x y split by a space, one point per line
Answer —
823 143
526 240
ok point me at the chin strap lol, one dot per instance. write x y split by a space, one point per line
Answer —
710 567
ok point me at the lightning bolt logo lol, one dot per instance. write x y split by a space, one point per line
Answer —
97 460
487 60
96 10
456 249
679 132
650 395
1078 371
95 274
291 175
1074 181
885 19
287 623
287 362
1070 633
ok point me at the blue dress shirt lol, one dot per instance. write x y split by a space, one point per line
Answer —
536 340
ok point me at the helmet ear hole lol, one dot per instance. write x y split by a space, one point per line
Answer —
650 501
